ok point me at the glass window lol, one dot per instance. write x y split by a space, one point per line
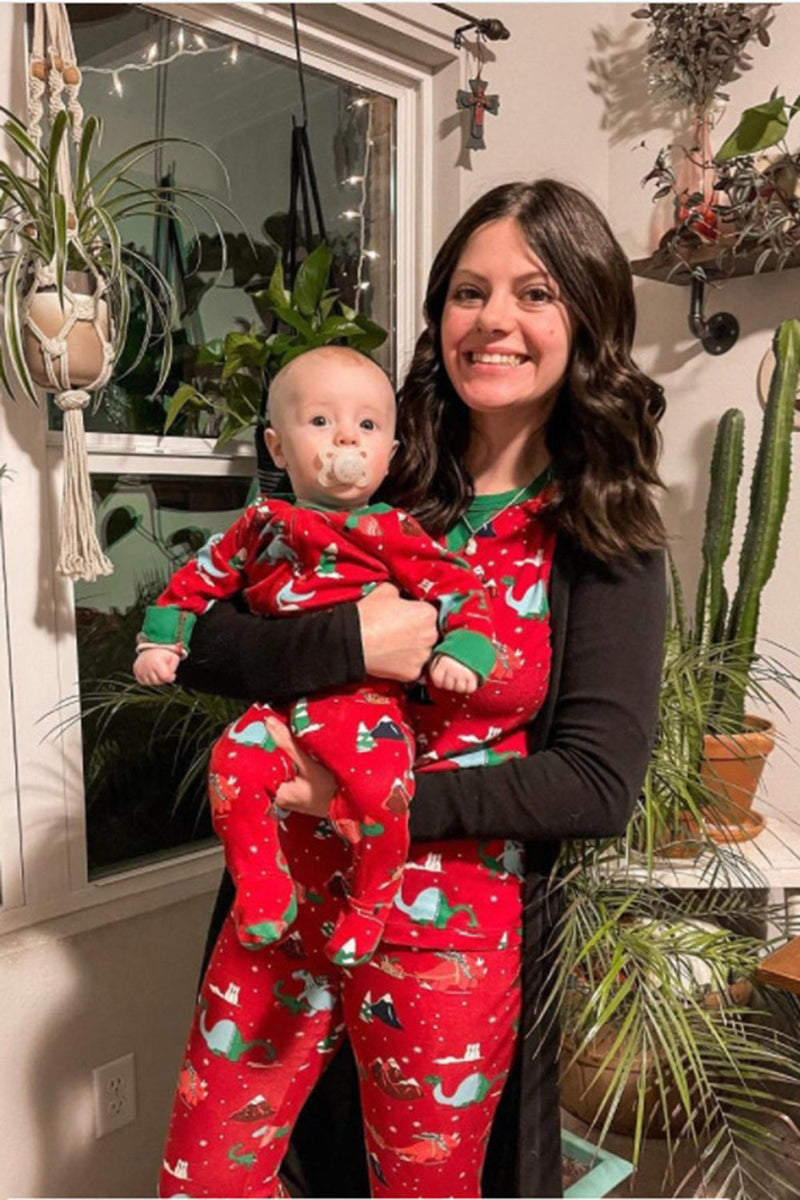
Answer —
137 805
238 101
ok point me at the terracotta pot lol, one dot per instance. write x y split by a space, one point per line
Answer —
85 356
582 1089
731 770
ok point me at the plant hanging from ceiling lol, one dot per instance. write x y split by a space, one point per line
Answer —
68 276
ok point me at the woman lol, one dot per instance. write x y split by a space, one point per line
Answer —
523 375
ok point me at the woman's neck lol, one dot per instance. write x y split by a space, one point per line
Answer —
500 460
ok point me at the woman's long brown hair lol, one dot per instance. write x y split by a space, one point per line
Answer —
602 436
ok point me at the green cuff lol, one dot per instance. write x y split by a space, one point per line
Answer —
168 625
472 649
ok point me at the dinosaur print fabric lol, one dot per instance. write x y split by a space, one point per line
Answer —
267 1023
433 1016
465 893
284 558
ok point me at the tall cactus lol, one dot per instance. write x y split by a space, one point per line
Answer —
726 471
769 494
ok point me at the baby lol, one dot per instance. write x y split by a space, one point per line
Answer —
332 416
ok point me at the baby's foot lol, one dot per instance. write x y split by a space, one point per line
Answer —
260 918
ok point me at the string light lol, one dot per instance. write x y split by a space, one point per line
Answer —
361 285
181 38
152 62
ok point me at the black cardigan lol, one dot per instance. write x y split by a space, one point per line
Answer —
589 744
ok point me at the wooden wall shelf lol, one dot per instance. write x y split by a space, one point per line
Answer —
720 331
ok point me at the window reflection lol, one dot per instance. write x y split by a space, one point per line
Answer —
133 772
239 102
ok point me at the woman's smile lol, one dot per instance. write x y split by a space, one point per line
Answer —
506 334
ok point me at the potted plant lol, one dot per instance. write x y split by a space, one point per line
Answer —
230 374
692 52
723 633
56 244
68 278
662 1033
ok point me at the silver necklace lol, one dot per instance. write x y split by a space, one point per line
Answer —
472 545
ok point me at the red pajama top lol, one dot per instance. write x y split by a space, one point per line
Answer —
287 557
463 894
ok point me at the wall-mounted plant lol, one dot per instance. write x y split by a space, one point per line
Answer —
693 51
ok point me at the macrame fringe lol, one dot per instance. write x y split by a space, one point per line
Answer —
80 556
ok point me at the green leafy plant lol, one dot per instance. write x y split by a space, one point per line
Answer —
81 232
725 631
232 373
694 50
653 988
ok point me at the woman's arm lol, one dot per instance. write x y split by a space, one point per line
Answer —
584 783
251 658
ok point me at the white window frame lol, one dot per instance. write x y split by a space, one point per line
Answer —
42 813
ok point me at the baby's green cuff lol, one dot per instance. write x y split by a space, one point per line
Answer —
168 625
472 649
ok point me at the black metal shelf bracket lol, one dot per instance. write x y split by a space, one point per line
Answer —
488 27
716 333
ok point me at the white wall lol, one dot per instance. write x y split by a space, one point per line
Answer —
72 1002
699 386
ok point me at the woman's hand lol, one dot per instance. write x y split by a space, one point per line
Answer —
397 636
312 790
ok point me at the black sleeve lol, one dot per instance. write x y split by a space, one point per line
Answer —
585 780
237 654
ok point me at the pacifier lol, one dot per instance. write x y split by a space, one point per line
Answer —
343 466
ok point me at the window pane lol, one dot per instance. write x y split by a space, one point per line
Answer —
239 102
133 772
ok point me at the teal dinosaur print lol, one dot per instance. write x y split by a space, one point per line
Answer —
316 995
482 757
431 907
508 862
472 1090
450 602
533 604
225 1041
255 733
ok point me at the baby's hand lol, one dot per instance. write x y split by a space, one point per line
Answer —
452 676
157 664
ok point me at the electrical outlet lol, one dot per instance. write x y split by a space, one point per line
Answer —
114 1095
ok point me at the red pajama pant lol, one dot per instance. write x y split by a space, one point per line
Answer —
267 1023
361 735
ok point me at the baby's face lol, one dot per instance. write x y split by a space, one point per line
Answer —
330 405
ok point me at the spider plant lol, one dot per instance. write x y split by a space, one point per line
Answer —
653 986
82 231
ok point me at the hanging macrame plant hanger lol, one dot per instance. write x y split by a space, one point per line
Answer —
54 333
302 185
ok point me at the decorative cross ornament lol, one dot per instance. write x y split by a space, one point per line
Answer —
479 102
